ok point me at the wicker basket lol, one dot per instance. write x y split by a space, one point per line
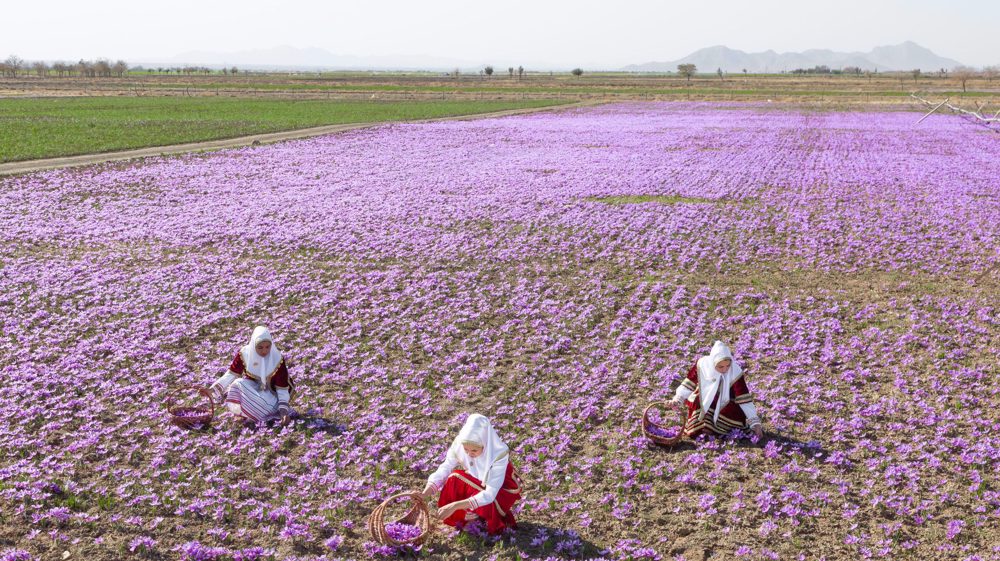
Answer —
652 430
419 515
189 417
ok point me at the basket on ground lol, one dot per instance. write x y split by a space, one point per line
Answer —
656 427
190 416
418 516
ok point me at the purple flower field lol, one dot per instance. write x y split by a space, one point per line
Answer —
555 272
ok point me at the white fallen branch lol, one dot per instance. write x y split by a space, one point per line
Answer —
936 107
976 116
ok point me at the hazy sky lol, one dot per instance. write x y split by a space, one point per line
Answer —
592 34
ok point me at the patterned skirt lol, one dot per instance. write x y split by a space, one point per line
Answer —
731 417
245 398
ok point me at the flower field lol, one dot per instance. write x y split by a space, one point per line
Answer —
555 272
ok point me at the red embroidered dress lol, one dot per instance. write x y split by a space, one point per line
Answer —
259 391
461 485
729 388
487 481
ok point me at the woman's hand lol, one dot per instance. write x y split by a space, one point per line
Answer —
449 509
285 419
428 492
205 391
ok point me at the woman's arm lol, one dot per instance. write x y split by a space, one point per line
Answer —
750 411
743 398
687 386
436 480
281 388
498 473
219 387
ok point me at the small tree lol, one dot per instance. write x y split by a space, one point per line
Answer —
103 67
991 72
510 70
687 70
577 72
520 72
964 74
719 72
457 73
40 68
488 70
916 74
120 68
14 64
234 70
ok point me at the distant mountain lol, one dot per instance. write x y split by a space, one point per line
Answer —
313 58
905 56
909 55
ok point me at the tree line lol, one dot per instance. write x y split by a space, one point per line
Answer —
488 72
14 66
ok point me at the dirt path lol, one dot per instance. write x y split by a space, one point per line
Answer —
266 138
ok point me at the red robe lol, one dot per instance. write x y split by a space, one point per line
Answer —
460 485
731 417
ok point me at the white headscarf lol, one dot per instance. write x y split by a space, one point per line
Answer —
479 430
709 377
261 366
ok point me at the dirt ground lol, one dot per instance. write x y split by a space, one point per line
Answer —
879 89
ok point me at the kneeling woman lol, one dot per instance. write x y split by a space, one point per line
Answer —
717 396
477 479
257 386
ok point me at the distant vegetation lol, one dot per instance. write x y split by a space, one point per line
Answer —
14 66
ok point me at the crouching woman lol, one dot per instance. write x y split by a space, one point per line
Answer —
256 387
477 479
717 396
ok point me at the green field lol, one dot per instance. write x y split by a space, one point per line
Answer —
49 127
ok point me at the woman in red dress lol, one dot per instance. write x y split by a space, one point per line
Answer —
717 396
257 386
476 479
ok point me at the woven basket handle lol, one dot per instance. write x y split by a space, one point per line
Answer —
665 405
376 520
175 394
645 412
